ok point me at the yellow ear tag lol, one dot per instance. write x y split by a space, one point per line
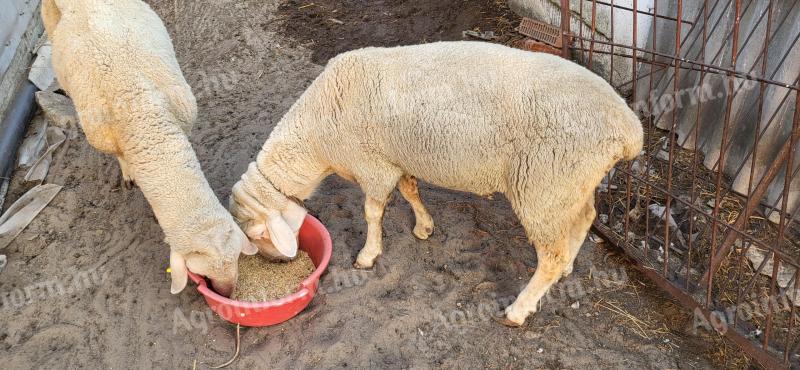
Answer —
169 270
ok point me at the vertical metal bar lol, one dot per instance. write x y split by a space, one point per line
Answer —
609 200
695 156
634 72
725 129
794 298
672 134
594 30
764 53
580 32
565 28
757 136
648 136
787 183
611 56
770 306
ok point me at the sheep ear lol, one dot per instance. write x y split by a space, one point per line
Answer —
249 249
294 214
179 274
281 235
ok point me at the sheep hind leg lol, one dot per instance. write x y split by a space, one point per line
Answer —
423 227
578 232
553 259
127 178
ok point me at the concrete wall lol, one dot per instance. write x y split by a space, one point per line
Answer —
20 29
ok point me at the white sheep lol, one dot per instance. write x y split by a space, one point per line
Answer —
468 116
116 61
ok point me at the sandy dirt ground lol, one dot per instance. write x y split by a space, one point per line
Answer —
86 285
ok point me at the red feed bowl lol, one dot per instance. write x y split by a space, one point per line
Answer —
314 240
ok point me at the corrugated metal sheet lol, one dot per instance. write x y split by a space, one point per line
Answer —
705 106
706 101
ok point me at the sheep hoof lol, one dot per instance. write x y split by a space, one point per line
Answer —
363 266
507 322
423 232
128 184
511 318
365 263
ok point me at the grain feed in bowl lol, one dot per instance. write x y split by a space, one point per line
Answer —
261 279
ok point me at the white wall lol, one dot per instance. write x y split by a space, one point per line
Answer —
20 28
15 15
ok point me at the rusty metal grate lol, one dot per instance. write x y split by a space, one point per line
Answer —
709 211
540 31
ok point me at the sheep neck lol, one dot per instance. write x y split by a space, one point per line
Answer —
293 172
171 179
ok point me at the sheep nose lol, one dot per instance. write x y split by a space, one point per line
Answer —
224 288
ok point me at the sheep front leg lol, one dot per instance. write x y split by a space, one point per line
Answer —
423 227
553 259
373 212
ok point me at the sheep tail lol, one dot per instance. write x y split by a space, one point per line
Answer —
631 132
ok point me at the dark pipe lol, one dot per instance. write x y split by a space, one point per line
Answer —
13 128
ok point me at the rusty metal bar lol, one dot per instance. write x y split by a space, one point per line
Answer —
641 11
756 137
642 187
716 25
566 18
634 71
695 156
726 226
788 351
611 213
772 118
649 161
710 68
594 32
672 134
580 30
735 93
771 309
758 193
761 356
611 31
787 181
723 144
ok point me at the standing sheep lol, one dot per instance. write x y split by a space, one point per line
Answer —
468 116
116 61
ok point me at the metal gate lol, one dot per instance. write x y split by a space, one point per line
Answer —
727 251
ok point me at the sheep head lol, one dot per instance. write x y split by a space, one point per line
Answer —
213 251
271 220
